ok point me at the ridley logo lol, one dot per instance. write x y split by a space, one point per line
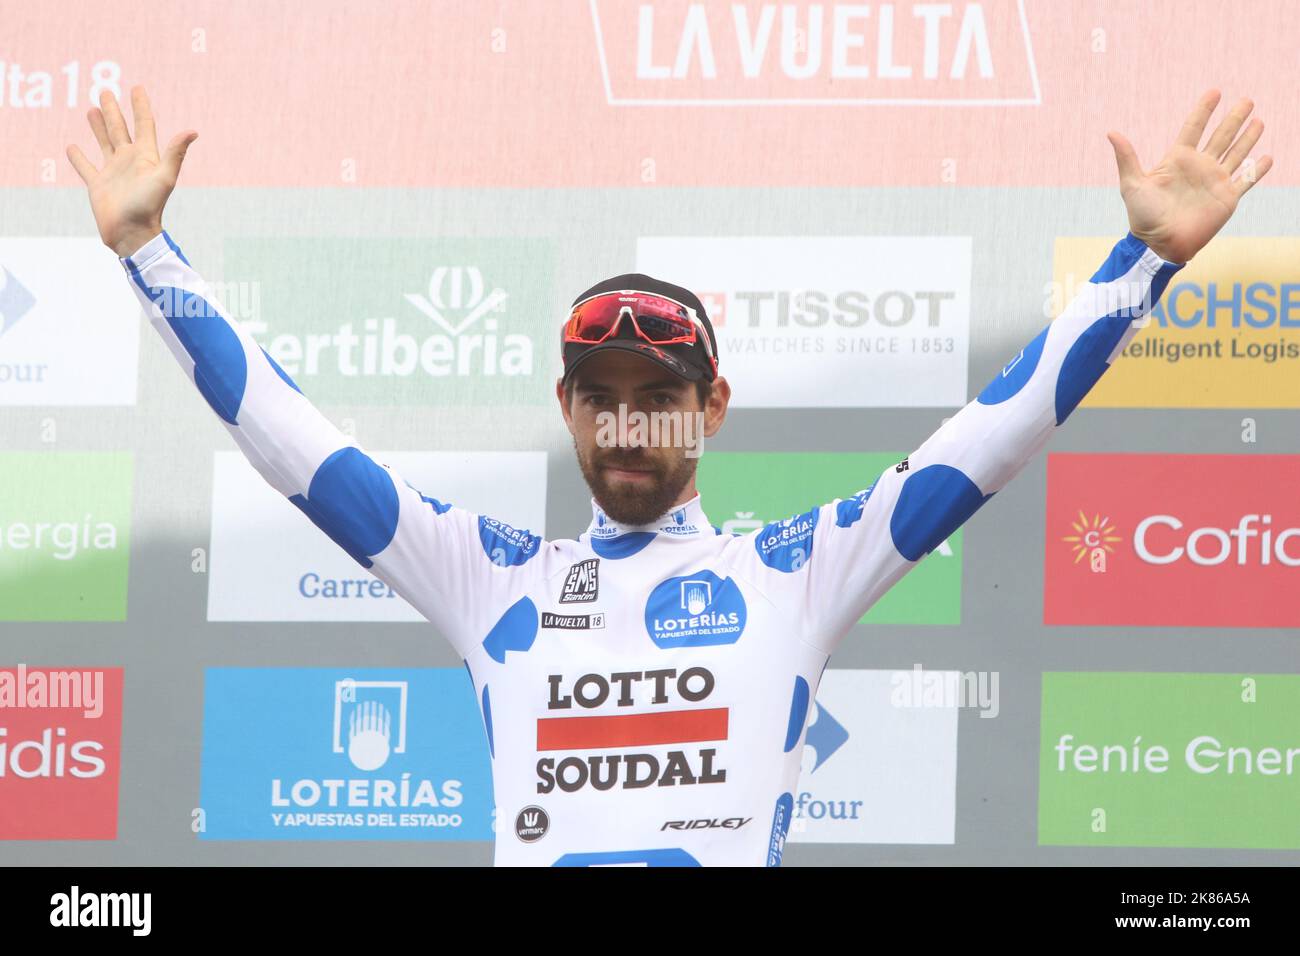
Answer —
728 823
531 824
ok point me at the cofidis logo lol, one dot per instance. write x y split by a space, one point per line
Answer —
1193 540
60 752
316 754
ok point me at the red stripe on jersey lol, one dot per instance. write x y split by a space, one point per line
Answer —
631 730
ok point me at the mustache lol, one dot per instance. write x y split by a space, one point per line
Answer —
622 458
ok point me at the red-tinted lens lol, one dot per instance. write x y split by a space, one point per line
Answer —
663 320
659 320
591 320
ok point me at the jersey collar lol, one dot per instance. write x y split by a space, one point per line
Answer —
685 522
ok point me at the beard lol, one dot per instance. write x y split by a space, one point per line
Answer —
634 503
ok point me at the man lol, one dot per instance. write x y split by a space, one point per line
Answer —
645 688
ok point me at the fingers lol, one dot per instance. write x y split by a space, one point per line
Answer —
1252 173
174 155
1227 129
1241 148
84 167
145 134
1125 158
1194 125
96 117
113 119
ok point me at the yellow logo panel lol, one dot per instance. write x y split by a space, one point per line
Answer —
1225 333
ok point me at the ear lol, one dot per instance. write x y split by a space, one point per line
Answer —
715 409
564 406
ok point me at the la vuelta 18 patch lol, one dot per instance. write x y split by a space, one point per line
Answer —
695 610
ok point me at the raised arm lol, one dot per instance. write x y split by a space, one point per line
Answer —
862 545
444 561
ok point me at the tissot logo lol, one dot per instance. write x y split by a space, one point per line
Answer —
850 54
847 321
581 584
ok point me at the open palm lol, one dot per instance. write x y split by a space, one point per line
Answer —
128 194
1179 205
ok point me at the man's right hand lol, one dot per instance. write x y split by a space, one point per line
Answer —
127 196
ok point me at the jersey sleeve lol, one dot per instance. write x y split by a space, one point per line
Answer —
451 565
863 544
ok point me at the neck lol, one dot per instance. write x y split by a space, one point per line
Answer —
686 520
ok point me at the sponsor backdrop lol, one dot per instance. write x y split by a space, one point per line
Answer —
879 205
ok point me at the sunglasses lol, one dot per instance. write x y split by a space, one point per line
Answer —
657 319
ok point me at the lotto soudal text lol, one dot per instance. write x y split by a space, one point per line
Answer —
648 728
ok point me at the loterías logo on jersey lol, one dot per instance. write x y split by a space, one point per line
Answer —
659 707
695 610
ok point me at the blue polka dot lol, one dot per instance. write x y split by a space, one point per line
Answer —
1015 373
935 502
849 510
787 545
624 546
220 367
1086 361
353 500
506 546
487 721
516 631
798 713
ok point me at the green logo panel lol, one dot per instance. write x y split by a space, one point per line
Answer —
741 491
65 521
469 321
1178 760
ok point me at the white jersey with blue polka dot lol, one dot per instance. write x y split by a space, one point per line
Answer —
645 690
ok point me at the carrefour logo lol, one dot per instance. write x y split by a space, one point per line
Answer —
695 610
